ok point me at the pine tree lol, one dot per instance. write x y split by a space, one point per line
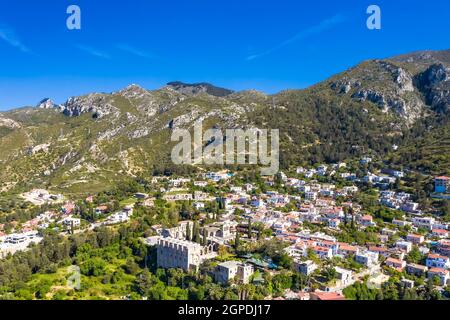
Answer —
249 228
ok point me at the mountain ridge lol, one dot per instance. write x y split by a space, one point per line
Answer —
94 140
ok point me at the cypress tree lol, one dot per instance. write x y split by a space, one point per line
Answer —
196 232
188 232
205 241
236 241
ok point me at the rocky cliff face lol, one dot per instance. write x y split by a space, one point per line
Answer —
435 85
407 87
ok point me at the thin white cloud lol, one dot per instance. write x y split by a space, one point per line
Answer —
314 30
9 36
134 51
94 52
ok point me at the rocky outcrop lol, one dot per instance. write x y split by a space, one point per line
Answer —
109 134
435 85
345 85
47 104
39 148
140 133
9 123
409 110
402 78
96 104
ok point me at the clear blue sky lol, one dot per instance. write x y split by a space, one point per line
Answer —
238 44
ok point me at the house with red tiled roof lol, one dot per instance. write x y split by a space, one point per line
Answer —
395 263
437 261
444 247
366 220
323 296
323 252
328 244
441 274
382 251
416 269
415 238
440 233
346 250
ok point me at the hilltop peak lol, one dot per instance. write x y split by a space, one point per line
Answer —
195 88
131 88
424 56
132 91
46 103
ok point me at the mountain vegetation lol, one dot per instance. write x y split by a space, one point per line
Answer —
396 109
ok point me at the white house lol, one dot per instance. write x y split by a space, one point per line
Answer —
404 245
306 267
367 258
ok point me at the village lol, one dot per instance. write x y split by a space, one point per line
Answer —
325 231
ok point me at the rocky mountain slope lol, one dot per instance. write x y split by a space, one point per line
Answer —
92 141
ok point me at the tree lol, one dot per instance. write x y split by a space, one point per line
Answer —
237 241
299 281
281 282
414 256
346 215
196 232
329 273
222 251
350 211
131 267
249 227
205 240
285 261
446 210
188 232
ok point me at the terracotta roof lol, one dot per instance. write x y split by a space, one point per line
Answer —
394 261
347 247
317 248
378 249
438 270
415 235
417 266
436 256
328 296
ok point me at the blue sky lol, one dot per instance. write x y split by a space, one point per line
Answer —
238 44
